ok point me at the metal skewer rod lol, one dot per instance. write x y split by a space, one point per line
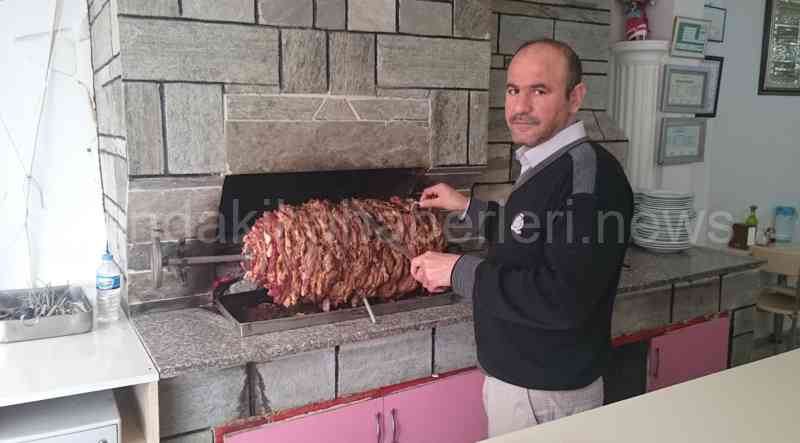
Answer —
369 310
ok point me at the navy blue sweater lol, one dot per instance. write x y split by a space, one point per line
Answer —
543 297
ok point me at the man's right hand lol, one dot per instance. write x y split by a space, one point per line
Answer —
442 196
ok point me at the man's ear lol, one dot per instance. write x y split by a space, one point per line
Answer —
576 97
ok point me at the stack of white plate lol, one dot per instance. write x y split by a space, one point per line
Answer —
661 221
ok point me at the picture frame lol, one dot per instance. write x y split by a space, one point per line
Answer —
682 141
718 18
689 37
715 65
684 89
780 53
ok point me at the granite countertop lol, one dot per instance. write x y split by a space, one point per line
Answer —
198 338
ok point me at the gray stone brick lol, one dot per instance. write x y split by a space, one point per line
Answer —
619 150
449 118
286 12
386 109
596 92
515 31
493 23
454 347
101 38
740 289
594 67
498 61
113 5
386 361
590 124
371 15
200 400
161 8
204 436
258 147
143 123
478 126
194 128
640 311
113 145
696 299
336 109
110 71
222 10
117 239
95 8
304 61
741 349
609 127
498 165
588 41
404 93
421 62
352 58
184 207
472 18
114 173
426 18
497 88
743 320
294 381
193 51
331 14
498 129
251 89
271 107
550 11
110 103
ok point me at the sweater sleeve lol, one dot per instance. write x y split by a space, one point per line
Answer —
480 218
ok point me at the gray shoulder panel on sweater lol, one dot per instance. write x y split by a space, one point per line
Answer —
584 169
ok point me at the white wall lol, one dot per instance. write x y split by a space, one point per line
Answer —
755 140
64 218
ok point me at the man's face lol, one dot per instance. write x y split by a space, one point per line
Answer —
537 105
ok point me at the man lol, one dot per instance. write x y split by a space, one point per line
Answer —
543 297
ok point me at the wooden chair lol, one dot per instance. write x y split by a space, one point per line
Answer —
780 299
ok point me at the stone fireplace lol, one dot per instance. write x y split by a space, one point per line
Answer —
188 91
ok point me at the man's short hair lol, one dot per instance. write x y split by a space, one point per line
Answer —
574 69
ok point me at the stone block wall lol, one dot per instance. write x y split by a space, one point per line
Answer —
190 90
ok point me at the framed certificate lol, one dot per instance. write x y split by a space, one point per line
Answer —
717 18
714 83
684 89
683 140
689 37
780 53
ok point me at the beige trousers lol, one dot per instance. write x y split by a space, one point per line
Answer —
511 408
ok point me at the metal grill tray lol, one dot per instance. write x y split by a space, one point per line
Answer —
43 327
233 307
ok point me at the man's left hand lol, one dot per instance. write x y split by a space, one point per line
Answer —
433 270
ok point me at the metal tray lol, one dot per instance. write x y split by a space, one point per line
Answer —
230 306
43 327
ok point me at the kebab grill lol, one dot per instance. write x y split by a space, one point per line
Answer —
306 248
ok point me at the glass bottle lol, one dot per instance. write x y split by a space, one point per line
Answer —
752 226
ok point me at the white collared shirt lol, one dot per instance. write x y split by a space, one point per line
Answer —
529 157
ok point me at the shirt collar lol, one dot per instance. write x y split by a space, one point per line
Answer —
529 156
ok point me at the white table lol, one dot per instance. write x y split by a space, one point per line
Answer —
110 356
749 403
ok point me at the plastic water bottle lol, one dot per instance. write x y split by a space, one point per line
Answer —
108 289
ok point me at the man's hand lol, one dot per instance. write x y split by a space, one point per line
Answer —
442 196
433 270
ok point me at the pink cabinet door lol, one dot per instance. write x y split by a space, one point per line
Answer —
446 411
357 423
688 353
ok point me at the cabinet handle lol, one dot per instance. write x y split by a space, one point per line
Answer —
657 361
394 426
378 426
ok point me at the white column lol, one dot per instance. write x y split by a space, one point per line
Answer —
636 80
